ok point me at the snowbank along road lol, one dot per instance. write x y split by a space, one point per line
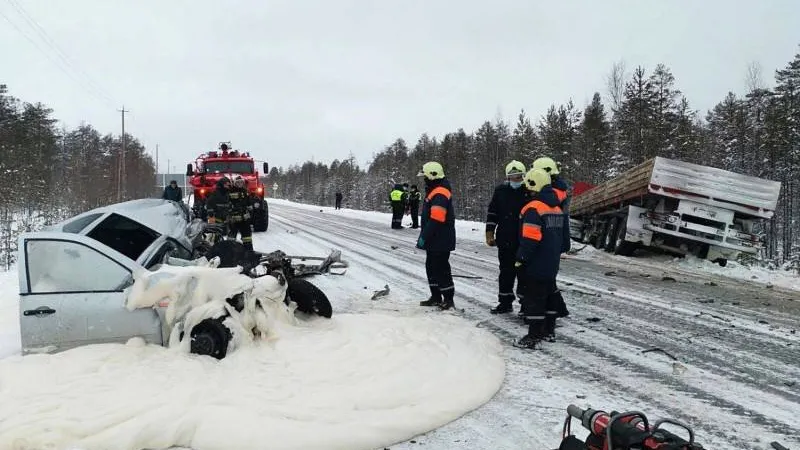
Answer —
727 361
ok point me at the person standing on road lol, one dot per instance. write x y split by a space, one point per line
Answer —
538 256
397 198
502 231
239 217
218 204
438 235
173 192
561 189
414 199
338 200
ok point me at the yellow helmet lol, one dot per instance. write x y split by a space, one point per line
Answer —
536 179
547 164
432 170
515 168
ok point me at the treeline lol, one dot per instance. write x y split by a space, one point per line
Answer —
51 173
643 115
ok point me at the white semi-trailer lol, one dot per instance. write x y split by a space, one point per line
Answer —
675 206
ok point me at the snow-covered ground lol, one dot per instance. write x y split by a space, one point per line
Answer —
736 379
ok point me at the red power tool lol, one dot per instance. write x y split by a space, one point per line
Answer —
623 431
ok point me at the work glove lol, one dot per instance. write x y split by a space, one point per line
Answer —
421 243
490 239
246 216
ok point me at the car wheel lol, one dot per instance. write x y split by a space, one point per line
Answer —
309 298
210 337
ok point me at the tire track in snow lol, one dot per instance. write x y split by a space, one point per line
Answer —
750 345
503 332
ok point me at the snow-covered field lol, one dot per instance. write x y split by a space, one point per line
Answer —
386 370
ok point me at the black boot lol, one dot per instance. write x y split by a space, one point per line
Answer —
431 301
448 301
550 327
502 308
535 335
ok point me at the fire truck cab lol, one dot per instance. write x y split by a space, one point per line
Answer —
210 167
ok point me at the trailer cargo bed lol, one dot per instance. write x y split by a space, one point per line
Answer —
750 196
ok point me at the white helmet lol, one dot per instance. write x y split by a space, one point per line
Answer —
536 179
432 170
547 164
238 181
515 168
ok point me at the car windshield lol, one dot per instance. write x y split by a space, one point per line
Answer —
229 166
124 235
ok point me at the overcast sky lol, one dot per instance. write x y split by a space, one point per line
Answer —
292 80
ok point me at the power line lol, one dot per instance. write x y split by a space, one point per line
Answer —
58 64
60 53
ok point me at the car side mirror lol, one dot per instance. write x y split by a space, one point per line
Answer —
189 171
266 168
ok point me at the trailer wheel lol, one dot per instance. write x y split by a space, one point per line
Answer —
600 237
621 246
309 298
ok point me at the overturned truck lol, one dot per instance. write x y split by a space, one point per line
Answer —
676 206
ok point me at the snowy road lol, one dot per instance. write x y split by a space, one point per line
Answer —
736 381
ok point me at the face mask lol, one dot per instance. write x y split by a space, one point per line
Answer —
515 184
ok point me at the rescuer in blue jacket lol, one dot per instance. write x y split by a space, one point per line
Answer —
561 188
539 256
437 235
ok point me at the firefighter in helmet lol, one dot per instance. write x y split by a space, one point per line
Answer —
239 218
502 231
561 189
539 256
218 204
438 235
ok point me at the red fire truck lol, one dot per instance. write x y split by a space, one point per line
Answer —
210 167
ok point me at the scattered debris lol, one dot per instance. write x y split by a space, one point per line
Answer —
612 289
762 321
660 350
714 316
394 247
777 446
610 273
789 383
574 251
708 300
381 293
644 275
471 277
678 368
666 278
770 286
580 396
593 319
766 303
711 283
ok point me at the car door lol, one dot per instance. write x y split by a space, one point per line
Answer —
72 292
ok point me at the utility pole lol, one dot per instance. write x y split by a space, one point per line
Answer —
121 167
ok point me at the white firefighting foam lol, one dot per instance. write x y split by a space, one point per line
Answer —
350 382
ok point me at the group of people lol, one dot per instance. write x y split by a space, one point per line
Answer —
405 201
527 221
230 204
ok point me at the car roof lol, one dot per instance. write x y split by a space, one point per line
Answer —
162 216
